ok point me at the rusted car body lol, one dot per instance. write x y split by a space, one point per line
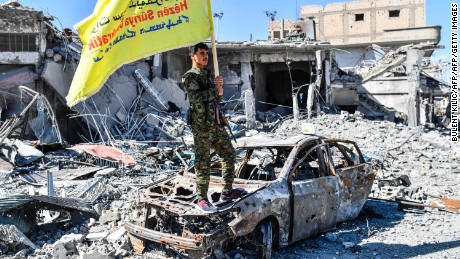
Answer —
296 187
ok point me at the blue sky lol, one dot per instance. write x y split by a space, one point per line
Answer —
241 17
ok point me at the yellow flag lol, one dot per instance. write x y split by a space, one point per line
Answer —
119 32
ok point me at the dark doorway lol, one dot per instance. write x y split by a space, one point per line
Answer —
279 85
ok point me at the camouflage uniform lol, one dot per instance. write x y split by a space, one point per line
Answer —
207 130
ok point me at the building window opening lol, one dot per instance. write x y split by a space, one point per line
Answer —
359 17
16 42
278 91
394 13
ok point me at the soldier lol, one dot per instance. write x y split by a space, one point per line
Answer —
204 92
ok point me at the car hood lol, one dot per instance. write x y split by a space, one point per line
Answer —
177 195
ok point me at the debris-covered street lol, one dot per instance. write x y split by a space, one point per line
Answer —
344 146
381 230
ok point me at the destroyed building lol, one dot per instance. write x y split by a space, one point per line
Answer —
363 32
75 201
279 76
262 75
27 38
354 26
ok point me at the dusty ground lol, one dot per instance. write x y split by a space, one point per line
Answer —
381 230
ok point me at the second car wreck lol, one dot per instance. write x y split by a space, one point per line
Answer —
296 188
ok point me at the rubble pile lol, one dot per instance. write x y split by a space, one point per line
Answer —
109 178
418 171
111 193
422 153
62 201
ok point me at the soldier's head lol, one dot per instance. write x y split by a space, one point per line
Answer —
199 55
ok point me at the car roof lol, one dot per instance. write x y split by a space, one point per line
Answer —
270 140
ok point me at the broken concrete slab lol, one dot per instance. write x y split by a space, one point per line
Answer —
19 153
96 236
109 216
121 114
59 251
96 255
151 89
57 77
117 235
14 77
171 92
70 242
105 152
11 233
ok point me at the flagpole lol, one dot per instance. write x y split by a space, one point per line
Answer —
214 54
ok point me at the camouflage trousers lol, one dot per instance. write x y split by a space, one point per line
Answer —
204 138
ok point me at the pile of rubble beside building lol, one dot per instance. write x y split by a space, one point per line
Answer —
81 196
70 177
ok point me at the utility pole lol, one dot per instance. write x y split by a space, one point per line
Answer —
218 16
296 10
271 16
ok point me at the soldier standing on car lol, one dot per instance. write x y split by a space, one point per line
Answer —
203 92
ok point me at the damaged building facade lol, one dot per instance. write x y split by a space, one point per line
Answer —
285 75
265 76
141 99
363 32
132 179
28 104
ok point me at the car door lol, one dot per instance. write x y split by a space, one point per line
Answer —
314 193
354 178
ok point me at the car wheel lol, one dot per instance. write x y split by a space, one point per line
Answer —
265 238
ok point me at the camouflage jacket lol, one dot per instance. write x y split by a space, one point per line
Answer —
200 89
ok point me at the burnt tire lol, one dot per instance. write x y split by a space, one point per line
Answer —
264 236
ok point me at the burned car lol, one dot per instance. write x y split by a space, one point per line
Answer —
296 188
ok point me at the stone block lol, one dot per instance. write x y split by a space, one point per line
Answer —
117 235
96 236
109 216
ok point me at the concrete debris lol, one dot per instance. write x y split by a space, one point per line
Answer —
109 216
14 77
107 153
67 245
151 89
22 210
10 233
96 255
19 153
171 93
170 126
91 190
117 235
47 132
130 178
96 236
348 245
331 236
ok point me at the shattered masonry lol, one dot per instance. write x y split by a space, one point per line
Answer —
98 180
